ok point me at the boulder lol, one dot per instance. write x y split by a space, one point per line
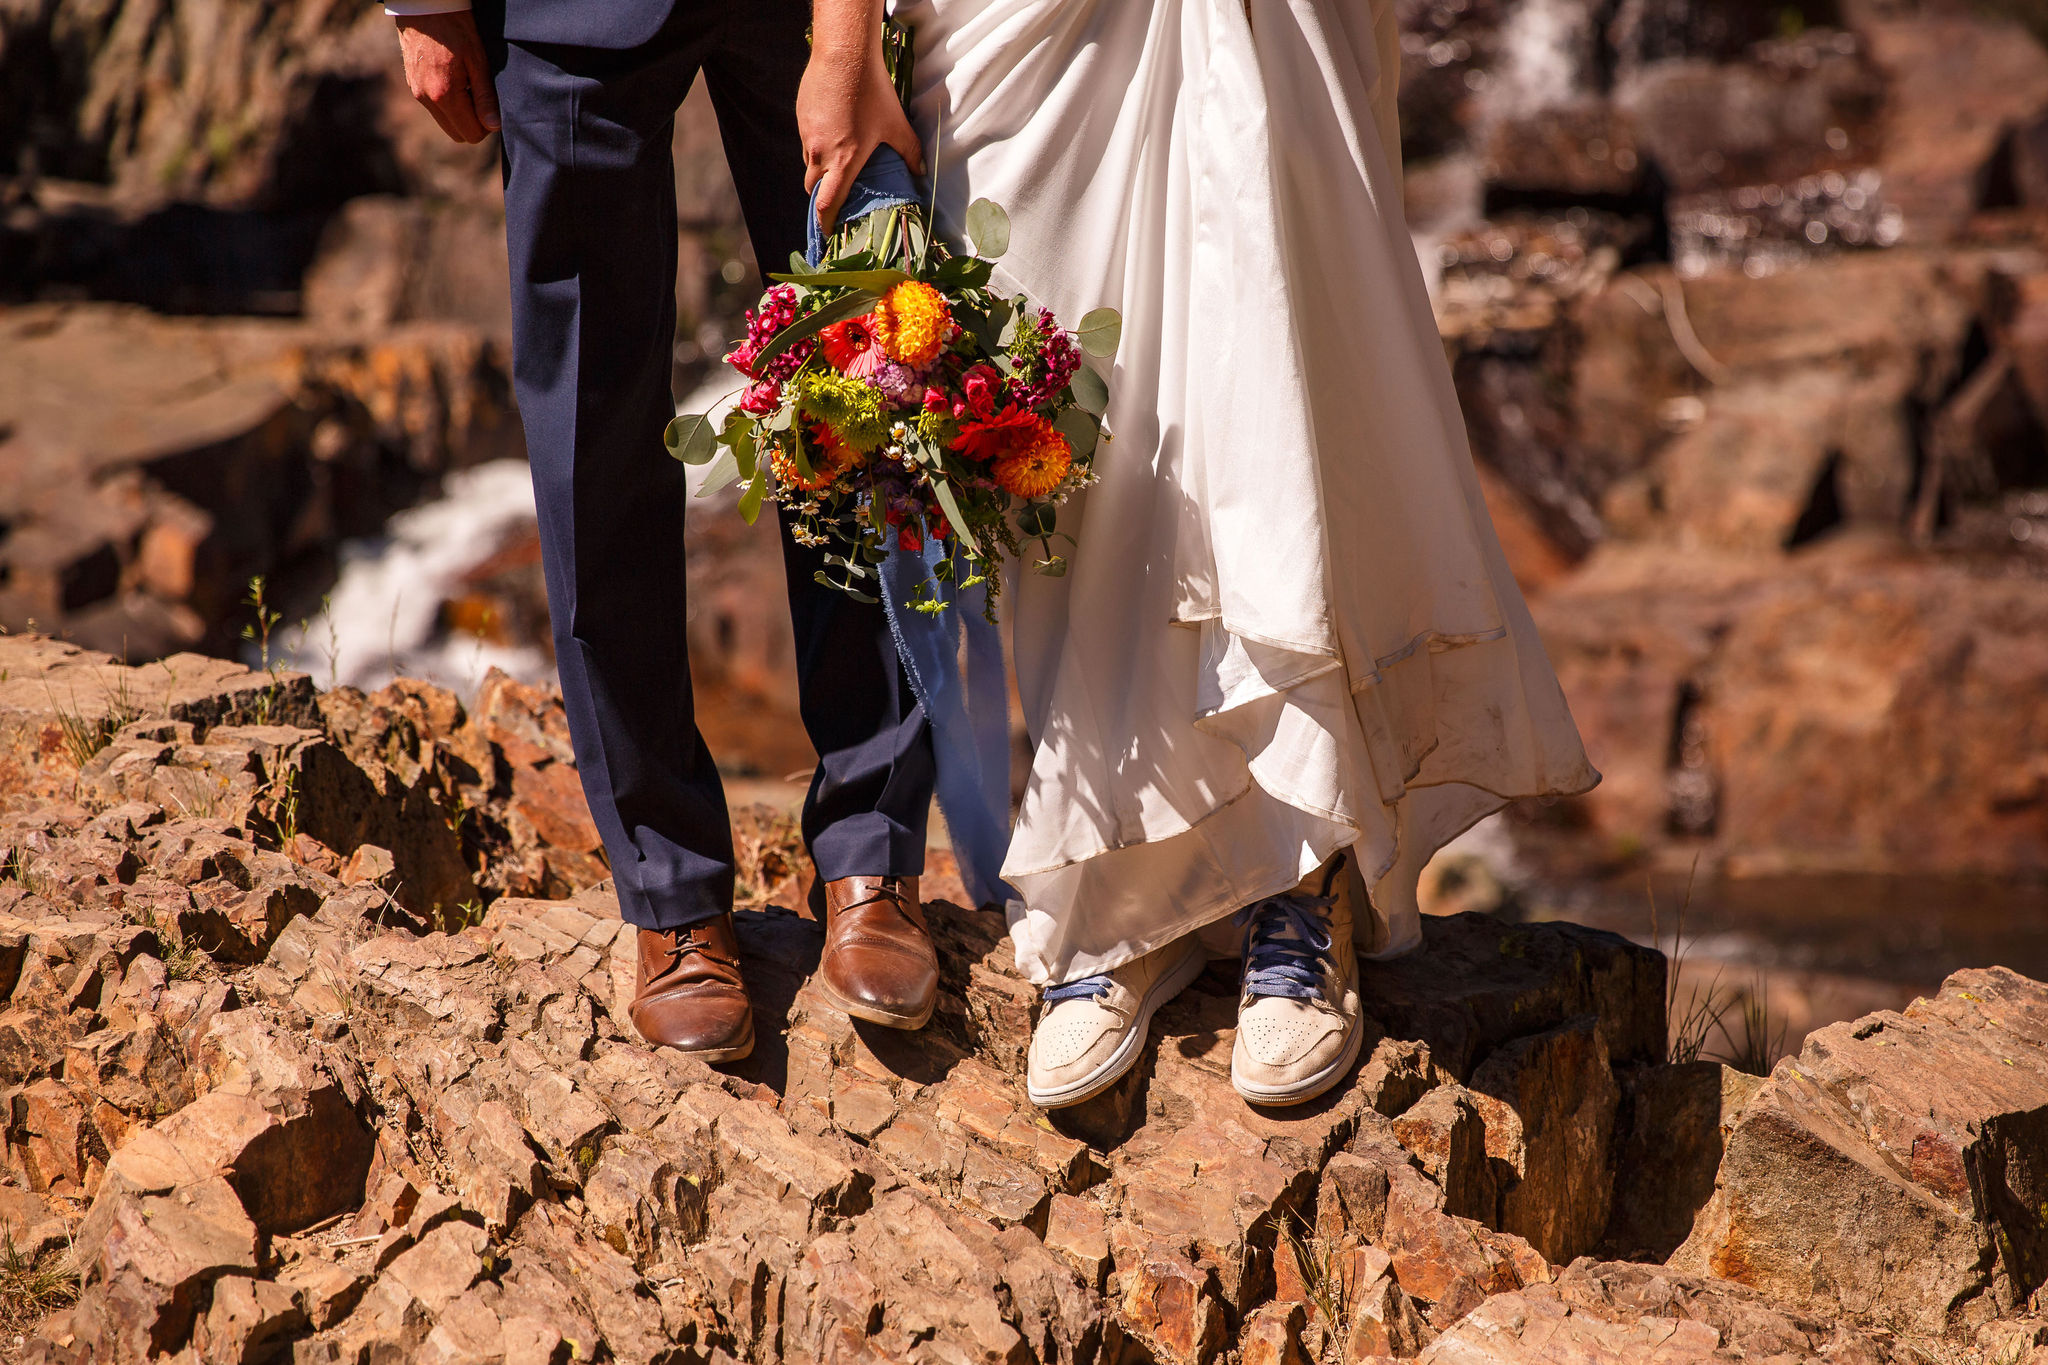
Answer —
1812 698
1478 982
248 1321
1599 1312
1670 1132
148 1277
1957 85
1558 1143
271 1122
1888 1172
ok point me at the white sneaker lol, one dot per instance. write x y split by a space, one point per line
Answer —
1091 1031
1298 1021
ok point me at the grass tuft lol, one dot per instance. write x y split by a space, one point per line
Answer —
1321 1271
84 737
1692 1027
32 1287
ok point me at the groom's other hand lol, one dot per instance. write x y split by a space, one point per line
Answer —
846 106
446 71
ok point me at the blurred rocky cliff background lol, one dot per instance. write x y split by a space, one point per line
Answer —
1747 304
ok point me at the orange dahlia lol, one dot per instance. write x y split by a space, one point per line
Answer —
913 323
829 456
1034 469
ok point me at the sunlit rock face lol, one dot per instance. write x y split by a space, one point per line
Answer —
270 1090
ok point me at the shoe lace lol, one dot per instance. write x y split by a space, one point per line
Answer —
681 944
1087 988
1285 940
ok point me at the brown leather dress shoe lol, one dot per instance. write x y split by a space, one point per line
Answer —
878 963
690 996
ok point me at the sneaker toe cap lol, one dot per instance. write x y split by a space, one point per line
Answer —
1068 1044
1288 1035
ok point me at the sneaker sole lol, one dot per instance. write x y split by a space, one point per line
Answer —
1302 1091
1126 1055
878 1016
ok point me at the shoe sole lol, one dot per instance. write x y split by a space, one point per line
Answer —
733 1053
1126 1055
878 1016
1308 1088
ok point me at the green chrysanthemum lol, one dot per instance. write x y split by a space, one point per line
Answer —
937 428
849 406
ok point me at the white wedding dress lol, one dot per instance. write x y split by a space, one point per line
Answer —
1288 628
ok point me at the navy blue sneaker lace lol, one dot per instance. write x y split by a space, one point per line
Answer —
1087 988
1276 964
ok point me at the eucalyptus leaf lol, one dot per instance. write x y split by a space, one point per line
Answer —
851 304
875 281
963 272
1056 567
721 472
750 500
951 507
1100 332
988 227
743 451
691 438
1080 429
799 264
1090 393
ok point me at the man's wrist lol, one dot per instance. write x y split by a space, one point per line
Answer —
413 9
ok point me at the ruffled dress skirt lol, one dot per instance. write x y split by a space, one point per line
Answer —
1288 628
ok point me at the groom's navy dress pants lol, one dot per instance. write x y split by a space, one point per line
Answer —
590 216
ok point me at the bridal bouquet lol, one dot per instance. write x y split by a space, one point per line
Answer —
894 401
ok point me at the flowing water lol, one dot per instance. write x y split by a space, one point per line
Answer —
383 618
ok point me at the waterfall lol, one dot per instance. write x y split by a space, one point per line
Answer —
1539 66
383 617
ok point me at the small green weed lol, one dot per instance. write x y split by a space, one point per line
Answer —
32 1287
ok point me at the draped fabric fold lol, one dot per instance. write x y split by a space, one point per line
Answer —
1287 628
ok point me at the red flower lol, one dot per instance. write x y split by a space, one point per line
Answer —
998 435
742 356
908 539
762 399
852 347
935 400
983 387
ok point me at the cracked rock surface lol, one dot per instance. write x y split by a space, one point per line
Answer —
280 1091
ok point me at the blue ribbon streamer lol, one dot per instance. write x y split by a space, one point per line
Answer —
968 707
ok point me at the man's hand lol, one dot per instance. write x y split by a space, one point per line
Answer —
446 71
846 106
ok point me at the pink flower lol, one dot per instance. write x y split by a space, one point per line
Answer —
935 400
742 357
897 382
983 387
762 399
